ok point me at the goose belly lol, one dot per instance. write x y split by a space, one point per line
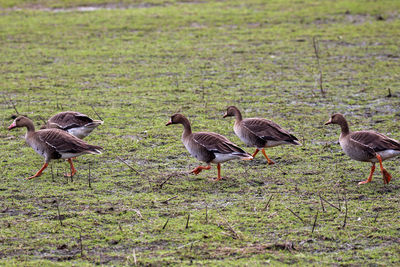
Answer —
38 149
356 152
71 155
244 135
198 152
387 154
271 143
219 158
80 132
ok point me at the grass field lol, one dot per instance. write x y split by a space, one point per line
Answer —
135 64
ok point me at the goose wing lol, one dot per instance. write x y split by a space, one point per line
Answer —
217 143
63 142
376 141
267 130
68 119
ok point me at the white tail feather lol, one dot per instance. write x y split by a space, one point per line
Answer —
94 152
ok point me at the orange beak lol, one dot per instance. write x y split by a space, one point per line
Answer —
226 115
328 122
168 123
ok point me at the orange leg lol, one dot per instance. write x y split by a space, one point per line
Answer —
39 172
219 172
73 170
255 153
197 170
386 175
370 175
270 162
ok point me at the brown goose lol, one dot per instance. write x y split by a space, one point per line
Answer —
53 144
77 124
367 146
259 132
208 146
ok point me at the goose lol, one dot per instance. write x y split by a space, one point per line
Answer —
75 123
53 144
366 146
208 147
259 132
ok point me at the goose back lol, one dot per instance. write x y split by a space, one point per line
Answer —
212 147
363 145
55 144
76 123
261 133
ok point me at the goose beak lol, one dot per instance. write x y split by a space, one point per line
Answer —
12 126
328 122
225 115
168 123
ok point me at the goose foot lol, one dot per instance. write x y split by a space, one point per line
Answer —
270 162
73 170
386 175
369 179
198 169
39 172
219 172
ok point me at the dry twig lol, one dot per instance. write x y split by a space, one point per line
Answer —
96 112
187 222
165 224
376 217
280 169
90 185
230 227
80 242
322 203
52 174
188 244
338 199
134 256
329 203
166 201
206 214
345 216
123 161
389 93
166 180
139 214
296 215
12 104
315 223
316 51
58 213
267 205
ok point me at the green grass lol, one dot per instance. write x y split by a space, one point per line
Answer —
142 62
